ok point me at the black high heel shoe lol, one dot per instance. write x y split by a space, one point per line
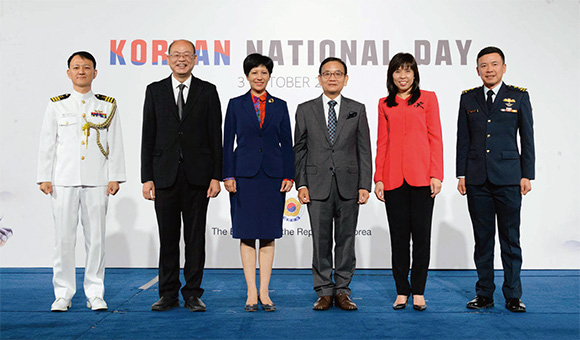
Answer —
266 307
251 308
419 308
397 306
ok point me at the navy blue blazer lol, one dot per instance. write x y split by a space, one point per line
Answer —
269 147
487 146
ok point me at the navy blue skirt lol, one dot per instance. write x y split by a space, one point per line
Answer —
257 207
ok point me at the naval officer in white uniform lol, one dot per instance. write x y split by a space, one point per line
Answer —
80 163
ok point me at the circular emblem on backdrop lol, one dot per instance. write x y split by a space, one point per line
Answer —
292 210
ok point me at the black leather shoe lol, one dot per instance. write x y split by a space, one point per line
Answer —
480 302
420 308
397 306
269 307
417 307
165 303
251 308
194 304
515 305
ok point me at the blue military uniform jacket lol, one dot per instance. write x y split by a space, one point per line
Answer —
487 146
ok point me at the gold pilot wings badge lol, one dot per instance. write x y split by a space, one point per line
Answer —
509 102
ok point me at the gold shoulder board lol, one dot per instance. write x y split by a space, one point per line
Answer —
61 97
517 88
469 90
105 98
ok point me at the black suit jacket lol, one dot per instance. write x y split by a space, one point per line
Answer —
487 146
197 137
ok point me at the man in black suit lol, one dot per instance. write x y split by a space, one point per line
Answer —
181 163
332 158
495 174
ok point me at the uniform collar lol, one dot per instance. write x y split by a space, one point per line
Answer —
495 89
82 96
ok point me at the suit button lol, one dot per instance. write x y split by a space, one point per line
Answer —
83 158
487 151
82 101
84 115
332 151
83 142
180 133
260 150
489 120
488 135
331 169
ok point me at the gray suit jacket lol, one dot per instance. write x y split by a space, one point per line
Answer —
350 156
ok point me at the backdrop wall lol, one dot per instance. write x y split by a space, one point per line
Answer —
540 39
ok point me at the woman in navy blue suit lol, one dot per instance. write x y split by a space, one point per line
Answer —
257 173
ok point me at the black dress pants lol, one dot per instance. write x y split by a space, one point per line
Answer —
187 201
409 212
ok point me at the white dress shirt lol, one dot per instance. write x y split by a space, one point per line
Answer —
326 107
175 83
495 90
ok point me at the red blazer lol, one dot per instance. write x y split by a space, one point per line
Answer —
409 144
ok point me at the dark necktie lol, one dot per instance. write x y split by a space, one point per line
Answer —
332 121
489 100
180 101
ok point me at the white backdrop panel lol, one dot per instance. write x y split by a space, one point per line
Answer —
540 39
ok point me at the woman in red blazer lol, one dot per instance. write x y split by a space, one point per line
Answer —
409 171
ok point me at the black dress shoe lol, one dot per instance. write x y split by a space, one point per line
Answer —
268 307
480 302
165 303
515 305
194 304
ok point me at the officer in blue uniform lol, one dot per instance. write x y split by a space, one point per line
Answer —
494 173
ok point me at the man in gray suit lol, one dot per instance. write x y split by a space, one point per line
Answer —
333 175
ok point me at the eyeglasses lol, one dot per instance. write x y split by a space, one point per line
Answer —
179 55
337 74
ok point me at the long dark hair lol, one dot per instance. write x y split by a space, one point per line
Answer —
405 60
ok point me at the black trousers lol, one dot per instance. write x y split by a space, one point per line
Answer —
409 212
181 200
485 203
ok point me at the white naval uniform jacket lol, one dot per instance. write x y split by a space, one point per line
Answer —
66 157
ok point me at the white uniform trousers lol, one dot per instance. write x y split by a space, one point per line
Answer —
66 203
